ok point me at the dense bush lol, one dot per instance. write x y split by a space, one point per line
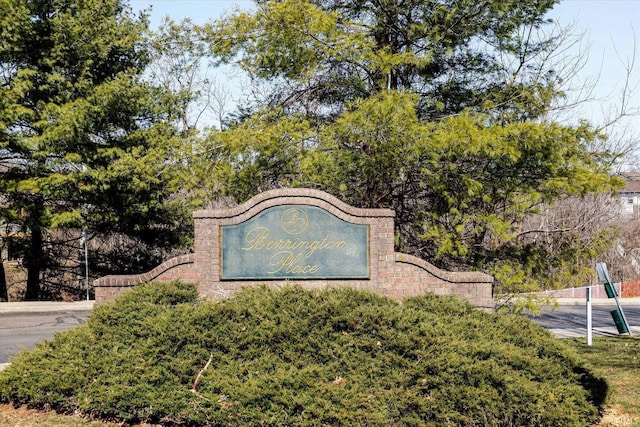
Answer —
294 357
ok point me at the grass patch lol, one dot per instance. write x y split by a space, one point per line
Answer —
25 417
293 357
618 361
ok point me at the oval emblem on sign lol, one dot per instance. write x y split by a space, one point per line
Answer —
294 221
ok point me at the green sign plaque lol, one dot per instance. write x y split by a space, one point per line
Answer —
294 242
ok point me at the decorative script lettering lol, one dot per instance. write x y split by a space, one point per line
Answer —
291 254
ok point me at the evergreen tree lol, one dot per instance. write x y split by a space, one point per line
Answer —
83 140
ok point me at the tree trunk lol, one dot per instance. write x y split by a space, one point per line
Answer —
4 294
34 262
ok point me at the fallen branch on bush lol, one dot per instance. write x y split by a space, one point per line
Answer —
195 382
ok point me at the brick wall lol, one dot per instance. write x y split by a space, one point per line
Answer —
625 290
631 289
392 274
108 288
414 276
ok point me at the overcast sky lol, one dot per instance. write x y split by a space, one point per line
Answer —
610 40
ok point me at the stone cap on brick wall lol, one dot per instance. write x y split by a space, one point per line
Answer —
293 196
136 279
447 276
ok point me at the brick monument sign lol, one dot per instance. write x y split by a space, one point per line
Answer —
306 237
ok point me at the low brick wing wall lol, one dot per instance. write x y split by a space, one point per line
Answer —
108 288
415 276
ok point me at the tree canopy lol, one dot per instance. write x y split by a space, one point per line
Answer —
436 109
84 140
453 54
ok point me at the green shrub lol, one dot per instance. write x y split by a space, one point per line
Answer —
295 357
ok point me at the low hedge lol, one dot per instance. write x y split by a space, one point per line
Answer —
295 357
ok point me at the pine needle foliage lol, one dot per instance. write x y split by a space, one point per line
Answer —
338 357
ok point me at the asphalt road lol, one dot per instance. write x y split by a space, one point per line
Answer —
23 325
23 330
570 320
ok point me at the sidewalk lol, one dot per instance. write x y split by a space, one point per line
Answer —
581 332
44 306
635 301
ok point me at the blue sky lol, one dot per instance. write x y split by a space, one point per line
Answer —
609 36
611 30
